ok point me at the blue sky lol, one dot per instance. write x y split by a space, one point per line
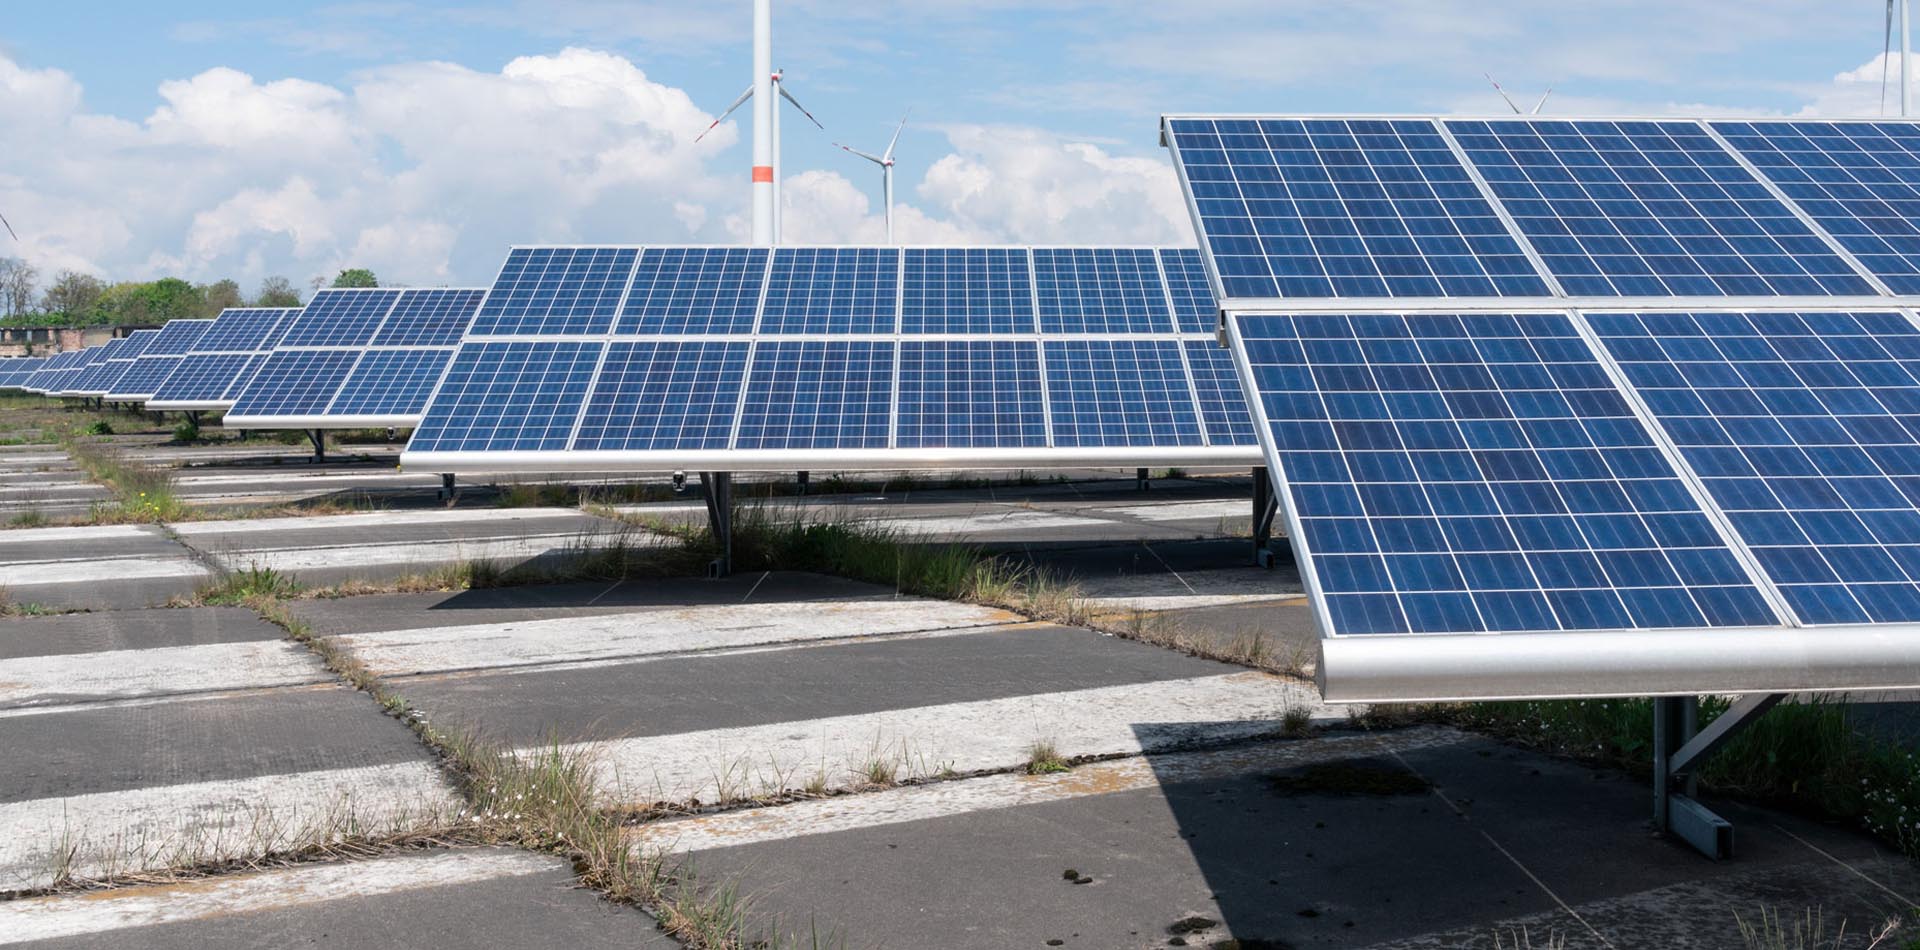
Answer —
420 139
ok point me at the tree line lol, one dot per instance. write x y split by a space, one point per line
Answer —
75 299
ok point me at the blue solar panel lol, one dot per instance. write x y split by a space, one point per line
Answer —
1805 428
1649 209
1338 208
1100 290
135 344
82 382
1223 405
340 318
660 395
207 377
967 290
832 290
1860 181
390 383
1120 393
178 337
146 376
970 394
428 318
556 290
818 395
243 330
695 290
507 397
295 383
1482 472
1194 309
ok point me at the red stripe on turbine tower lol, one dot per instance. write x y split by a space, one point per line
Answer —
763 173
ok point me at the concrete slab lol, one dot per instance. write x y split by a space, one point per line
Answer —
469 898
1223 847
1182 591
100 632
35 545
155 671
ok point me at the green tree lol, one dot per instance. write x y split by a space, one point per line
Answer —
171 298
220 295
74 296
277 292
356 277
17 284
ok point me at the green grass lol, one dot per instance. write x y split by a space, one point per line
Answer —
142 493
1810 756
248 586
1044 758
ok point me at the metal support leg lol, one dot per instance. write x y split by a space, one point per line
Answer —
719 492
801 478
446 486
1140 478
319 439
1265 507
1680 748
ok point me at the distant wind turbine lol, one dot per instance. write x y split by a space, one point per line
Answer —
779 86
1536 106
3 220
1886 56
885 161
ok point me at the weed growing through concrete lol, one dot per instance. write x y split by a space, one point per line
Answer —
245 586
1522 940
142 493
1044 758
1769 929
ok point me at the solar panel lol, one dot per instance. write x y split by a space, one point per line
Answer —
78 382
832 290
340 318
1120 393
15 370
1100 290
967 290
204 380
971 394
427 318
295 383
102 378
1805 429
1649 209
652 395
244 330
833 394
1481 473
390 384
1344 208
695 290
556 290
509 397
146 376
177 337
1860 181
1194 310
1223 408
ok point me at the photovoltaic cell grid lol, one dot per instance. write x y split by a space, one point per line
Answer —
15 370
208 377
653 396
1194 310
1223 408
509 396
832 290
426 318
831 394
968 290
149 372
1860 181
1100 290
1120 393
695 290
1805 429
390 383
244 330
79 382
1482 472
340 318
177 337
564 291
295 383
1345 208
970 394
1649 209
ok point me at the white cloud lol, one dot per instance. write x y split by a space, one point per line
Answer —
1026 185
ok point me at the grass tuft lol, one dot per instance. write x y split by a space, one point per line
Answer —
253 584
1769 929
142 493
1043 758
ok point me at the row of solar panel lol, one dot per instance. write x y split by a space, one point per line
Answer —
591 291
685 395
1353 208
1546 471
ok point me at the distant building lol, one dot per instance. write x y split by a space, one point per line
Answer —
46 341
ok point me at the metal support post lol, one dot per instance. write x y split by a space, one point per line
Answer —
1140 478
319 439
1680 748
801 478
446 486
1265 507
718 487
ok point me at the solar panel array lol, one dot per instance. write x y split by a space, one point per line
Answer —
1695 408
14 371
218 365
640 356
361 357
162 356
100 380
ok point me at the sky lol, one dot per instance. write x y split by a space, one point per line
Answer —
421 139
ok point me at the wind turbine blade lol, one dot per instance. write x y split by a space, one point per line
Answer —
737 103
784 94
877 160
1503 93
3 220
1543 101
896 136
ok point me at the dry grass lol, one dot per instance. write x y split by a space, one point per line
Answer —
1044 758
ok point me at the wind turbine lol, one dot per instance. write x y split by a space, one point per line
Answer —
1536 106
1906 56
885 161
16 237
766 119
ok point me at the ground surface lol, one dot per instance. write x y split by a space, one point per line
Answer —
140 736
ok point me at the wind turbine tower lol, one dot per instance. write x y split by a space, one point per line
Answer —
885 161
767 89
